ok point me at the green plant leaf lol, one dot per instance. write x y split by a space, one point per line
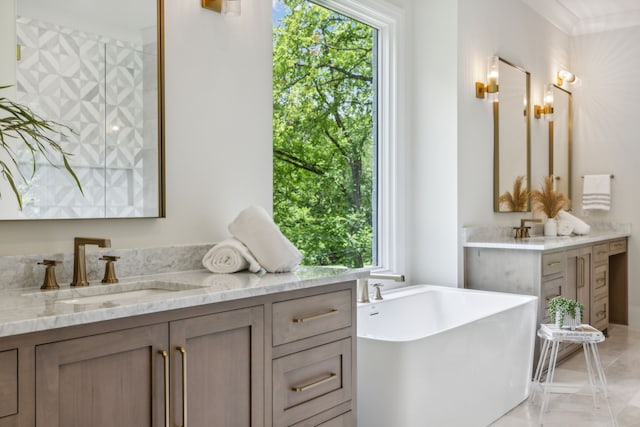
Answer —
21 128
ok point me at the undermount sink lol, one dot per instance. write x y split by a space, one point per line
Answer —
99 294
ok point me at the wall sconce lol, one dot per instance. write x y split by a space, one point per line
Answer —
565 76
490 89
547 109
225 7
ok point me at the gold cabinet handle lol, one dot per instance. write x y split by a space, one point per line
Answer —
553 264
309 386
165 360
183 353
314 317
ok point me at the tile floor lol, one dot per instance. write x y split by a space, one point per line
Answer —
620 355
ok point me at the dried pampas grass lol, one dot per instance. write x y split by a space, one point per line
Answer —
548 200
516 202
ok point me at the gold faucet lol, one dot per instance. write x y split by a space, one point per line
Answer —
79 261
522 231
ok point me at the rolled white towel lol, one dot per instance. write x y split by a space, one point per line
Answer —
579 226
230 256
255 228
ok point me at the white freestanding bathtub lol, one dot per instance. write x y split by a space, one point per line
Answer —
431 356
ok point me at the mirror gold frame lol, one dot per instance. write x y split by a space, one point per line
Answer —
146 183
514 102
561 141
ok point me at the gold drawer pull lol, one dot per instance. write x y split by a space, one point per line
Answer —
306 387
553 264
315 316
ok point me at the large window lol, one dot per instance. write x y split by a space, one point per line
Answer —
325 123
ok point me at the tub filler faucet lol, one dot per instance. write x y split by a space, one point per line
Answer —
363 285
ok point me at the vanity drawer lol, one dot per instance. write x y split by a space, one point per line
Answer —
600 281
549 290
553 263
344 420
330 418
618 247
311 381
600 313
8 383
305 317
600 253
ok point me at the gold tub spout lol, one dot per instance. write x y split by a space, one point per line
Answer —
79 261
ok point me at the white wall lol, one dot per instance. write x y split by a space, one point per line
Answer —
434 175
218 136
514 32
452 156
606 130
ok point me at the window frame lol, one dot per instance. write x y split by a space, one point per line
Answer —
387 19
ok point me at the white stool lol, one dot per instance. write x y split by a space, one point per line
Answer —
586 335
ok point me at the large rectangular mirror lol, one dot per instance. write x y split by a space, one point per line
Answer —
96 67
560 140
512 134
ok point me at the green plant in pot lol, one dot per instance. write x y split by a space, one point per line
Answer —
561 309
21 129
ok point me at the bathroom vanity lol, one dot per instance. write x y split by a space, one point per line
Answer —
241 349
590 268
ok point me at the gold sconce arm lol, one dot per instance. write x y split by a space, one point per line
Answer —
225 7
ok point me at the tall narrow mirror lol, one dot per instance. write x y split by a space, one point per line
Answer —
97 68
512 175
560 140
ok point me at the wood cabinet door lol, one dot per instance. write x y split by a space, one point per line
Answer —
110 379
217 369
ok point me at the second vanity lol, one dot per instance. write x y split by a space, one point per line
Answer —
187 348
590 268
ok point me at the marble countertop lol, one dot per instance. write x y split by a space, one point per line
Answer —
541 243
29 309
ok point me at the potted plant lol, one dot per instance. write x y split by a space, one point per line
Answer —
566 313
22 129
550 202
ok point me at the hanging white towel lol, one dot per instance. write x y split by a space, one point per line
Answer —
230 256
255 228
596 192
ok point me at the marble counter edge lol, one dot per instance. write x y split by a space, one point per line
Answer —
28 318
545 243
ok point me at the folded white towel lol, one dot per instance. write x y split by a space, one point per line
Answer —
596 192
579 226
255 228
230 256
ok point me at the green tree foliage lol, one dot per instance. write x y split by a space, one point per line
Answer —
323 77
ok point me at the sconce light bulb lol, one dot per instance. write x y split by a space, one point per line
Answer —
566 76
493 74
548 96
